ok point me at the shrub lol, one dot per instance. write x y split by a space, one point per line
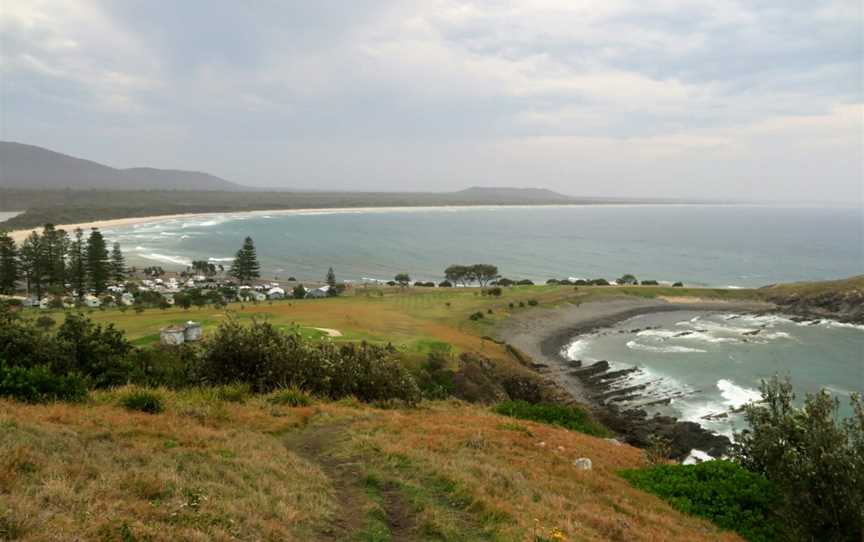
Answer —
678 285
266 359
97 352
525 282
569 417
435 379
45 322
495 291
817 462
532 302
445 284
38 384
168 366
722 491
504 282
476 316
293 397
599 282
142 401
299 292
553 281
650 283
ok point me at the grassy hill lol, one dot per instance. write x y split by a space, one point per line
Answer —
229 467
221 464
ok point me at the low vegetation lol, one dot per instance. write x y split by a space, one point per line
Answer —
570 417
816 461
206 468
722 491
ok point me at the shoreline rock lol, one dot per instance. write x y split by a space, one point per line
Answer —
592 385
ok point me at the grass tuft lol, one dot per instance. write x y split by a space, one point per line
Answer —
142 401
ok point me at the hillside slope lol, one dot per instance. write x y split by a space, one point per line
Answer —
211 469
29 166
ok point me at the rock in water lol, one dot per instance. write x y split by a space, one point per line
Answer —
582 463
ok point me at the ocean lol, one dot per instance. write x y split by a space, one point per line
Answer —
713 363
710 363
723 246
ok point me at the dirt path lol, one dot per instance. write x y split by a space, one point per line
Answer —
320 445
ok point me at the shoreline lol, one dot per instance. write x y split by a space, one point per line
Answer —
19 235
543 334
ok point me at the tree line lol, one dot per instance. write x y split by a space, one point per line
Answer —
51 260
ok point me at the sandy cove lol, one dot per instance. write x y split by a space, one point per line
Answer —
542 334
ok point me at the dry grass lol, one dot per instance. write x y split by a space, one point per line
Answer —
207 469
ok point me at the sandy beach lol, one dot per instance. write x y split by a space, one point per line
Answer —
542 333
20 235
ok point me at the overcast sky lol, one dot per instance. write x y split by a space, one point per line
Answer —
750 99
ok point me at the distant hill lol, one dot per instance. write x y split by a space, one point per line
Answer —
497 193
29 166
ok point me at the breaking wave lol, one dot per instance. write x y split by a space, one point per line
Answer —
671 349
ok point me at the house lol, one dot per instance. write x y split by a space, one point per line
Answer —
318 293
173 335
276 293
45 303
30 302
92 301
127 299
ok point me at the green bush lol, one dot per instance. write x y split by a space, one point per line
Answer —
142 401
569 417
38 384
293 397
722 491
266 359
476 316
532 303
816 461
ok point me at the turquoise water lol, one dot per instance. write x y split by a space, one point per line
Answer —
711 363
700 245
715 366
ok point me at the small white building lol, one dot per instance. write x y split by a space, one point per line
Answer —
45 303
318 293
92 301
127 299
30 302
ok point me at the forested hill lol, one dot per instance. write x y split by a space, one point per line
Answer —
29 166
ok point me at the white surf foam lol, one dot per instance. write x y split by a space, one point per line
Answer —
736 396
671 349
576 350
176 260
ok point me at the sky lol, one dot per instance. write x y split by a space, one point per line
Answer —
751 100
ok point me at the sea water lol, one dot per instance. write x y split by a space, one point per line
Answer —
723 246
711 364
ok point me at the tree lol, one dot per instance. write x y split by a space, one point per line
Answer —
203 267
457 274
9 272
817 462
331 278
627 279
483 273
77 268
403 279
54 247
98 264
31 263
246 266
299 292
118 264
